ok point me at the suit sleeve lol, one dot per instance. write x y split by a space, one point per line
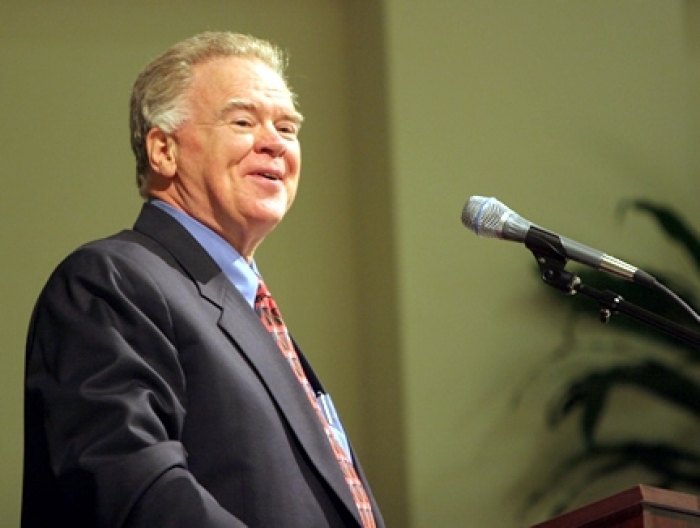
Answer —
104 371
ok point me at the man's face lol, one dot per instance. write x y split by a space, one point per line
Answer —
237 156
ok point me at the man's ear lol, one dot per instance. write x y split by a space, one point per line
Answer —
161 148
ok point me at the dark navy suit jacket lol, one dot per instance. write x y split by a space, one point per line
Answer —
156 398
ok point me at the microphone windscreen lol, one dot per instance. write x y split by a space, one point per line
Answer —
484 216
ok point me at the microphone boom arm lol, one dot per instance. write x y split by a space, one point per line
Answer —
552 263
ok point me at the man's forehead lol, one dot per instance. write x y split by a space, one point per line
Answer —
222 84
242 69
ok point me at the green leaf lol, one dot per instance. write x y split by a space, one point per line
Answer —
590 392
670 222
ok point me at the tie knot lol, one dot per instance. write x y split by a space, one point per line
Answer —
262 292
265 305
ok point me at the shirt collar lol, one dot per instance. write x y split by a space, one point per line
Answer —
242 275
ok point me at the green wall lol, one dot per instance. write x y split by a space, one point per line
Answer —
559 109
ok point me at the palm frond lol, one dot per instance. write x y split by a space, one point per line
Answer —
591 390
671 222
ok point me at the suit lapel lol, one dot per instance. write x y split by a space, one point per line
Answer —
243 327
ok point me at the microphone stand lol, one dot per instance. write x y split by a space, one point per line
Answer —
552 265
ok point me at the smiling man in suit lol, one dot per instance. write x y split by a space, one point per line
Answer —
162 387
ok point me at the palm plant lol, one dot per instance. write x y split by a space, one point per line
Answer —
665 369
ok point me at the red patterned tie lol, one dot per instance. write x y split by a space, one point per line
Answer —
270 315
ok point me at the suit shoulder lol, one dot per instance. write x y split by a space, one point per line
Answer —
117 259
122 248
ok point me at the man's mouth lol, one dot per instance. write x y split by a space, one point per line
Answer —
268 175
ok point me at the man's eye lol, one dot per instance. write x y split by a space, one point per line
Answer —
242 122
288 129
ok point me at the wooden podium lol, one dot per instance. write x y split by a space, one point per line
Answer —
638 507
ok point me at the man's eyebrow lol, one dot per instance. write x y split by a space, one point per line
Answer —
244 104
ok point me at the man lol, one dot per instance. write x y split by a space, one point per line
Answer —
162 388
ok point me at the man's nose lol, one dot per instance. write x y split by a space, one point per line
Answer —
269 141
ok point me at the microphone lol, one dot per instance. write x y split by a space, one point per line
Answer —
488 217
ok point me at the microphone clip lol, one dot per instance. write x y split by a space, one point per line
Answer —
553 272
551 259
